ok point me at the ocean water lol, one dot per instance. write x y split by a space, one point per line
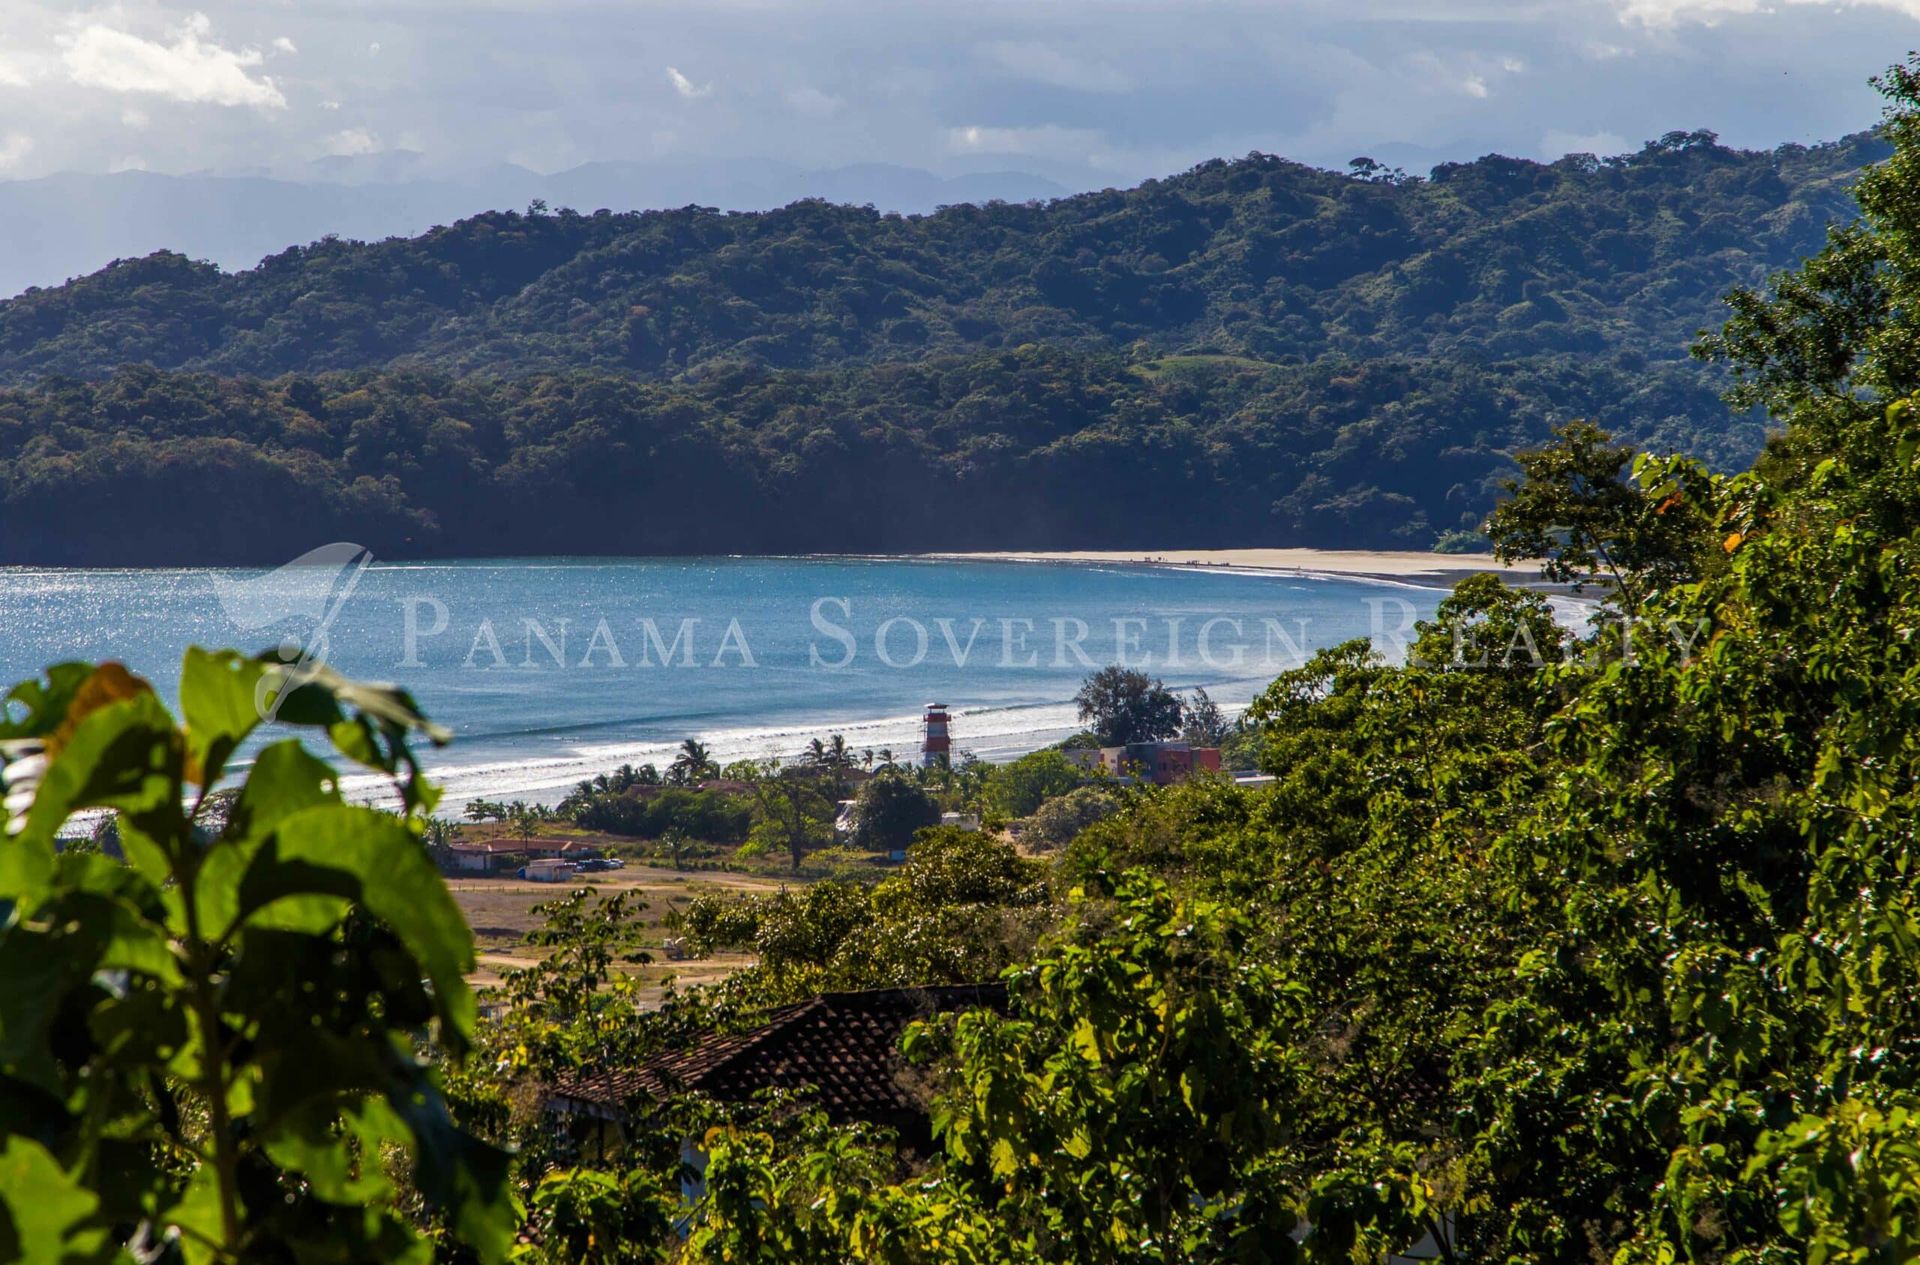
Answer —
551 670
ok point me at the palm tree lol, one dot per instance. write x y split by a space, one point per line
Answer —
693 764
836 757
815 755
886 757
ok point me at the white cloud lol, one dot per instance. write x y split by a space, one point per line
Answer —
128 162
1048 140
687 89
351 143
1661 14
1665 13
1464 75
190 67
1558 144
285 45
14 70
14 148
814 103
1043 63
135 118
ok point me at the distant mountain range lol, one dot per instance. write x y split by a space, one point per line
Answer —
63 226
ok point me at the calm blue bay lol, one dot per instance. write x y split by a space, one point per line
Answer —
547 670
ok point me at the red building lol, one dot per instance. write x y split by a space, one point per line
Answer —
1161 763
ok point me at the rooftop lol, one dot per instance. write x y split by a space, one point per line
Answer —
843 1045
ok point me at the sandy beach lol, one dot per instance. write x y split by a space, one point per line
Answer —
1408 567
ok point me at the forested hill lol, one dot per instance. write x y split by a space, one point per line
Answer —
1252 352
1258 257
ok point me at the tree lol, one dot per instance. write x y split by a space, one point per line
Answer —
693 764
163 1016
839 759
439 835
888 811
1125 705
1576 509
1018 787
831 758
1201 721
792 813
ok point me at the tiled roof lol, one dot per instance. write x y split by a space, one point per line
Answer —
843 1045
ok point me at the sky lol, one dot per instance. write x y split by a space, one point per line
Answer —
1093 92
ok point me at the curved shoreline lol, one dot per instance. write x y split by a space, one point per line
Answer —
1427 570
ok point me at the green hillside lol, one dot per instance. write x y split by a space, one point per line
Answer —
1251 352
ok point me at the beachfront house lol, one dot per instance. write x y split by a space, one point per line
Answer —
1159 763
557 849
486 856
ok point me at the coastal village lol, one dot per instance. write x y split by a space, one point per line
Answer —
543 858
840 1047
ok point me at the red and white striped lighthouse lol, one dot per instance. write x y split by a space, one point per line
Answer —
936 746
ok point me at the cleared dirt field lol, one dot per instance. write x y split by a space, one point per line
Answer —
500 911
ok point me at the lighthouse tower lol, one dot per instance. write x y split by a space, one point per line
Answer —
936 747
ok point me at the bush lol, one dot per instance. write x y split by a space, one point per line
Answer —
713 816
1017 789
1463 541
1058 821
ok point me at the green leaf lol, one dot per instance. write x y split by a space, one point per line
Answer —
197 1217
124 755
1002 1159
217 700
321 856
463 1175
45 703
45 1213
343 1165
285 779
36 973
